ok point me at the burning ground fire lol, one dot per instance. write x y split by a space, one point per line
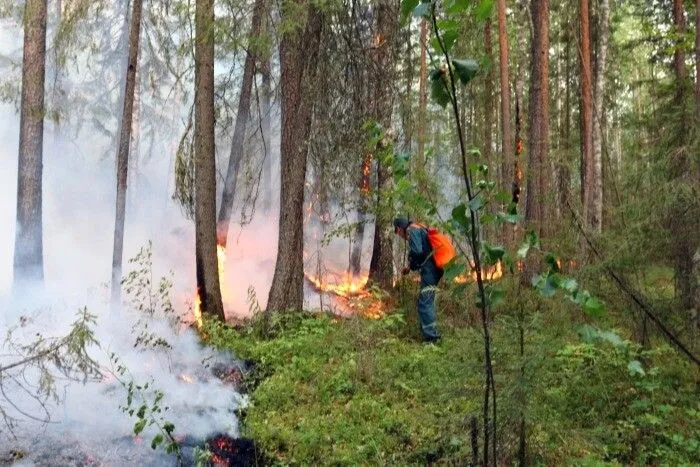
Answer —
488 274
356 299
197 306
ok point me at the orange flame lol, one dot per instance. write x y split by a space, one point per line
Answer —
348 286
488 274
220 264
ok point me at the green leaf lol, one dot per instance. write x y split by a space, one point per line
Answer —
476 203
449 38
493 254
157 439
502 196
139 426
635 368
407 7
453 269
458 6
570 285
466 69
438 89
422 10
459 218
483 9
522 251
593 307
551 260
495 295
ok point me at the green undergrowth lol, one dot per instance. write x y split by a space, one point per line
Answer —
357 391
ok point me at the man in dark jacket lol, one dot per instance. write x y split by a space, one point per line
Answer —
420 259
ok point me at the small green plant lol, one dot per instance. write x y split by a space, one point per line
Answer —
145 404
149 299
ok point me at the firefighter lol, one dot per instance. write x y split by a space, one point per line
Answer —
420 259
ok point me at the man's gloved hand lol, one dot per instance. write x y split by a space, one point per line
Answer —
405 270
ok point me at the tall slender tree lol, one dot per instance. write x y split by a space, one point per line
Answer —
507 141
238 143
586 113
381 267
298 52
538 130
595 209
422 94
684 228
697 61
123 150
28 260
208 286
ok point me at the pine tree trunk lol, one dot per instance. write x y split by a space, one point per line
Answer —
507 144
697 62
595 213
266 130
422 94
683 228
28 259
564 173
208 286
586 113
538 131
488 97
381 268
239 133
123 151
298 53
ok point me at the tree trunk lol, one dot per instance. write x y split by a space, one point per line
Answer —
28 260
507 144
239 132
595 212
123 151
680 224
359 234
538 131
208 286
298 53
564 173
488 97
381 268
586 112
422 94
266 133
697 61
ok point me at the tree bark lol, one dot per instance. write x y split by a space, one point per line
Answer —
381 267
488 96
697 61
683 228
28 258
298 53
123 151
564 173
507 144
208 286
586 113
595 213
422 94
266 133
538 131
239 132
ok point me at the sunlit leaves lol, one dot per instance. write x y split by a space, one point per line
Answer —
407 7
484 9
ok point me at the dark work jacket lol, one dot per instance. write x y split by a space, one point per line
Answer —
420 255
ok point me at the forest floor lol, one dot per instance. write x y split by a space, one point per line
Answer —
354 391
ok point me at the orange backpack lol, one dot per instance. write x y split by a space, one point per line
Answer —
443 250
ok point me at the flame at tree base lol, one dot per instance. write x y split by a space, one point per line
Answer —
197 305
